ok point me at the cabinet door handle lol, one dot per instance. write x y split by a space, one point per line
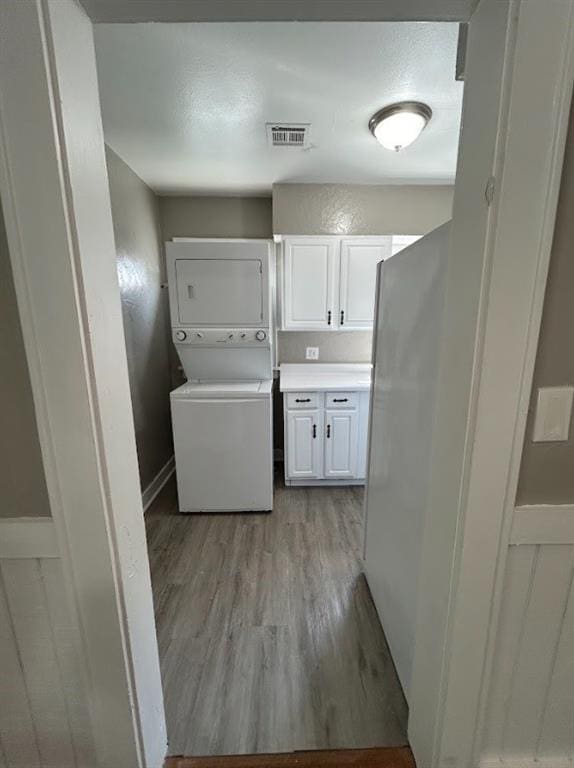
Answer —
342 317
340 399
329 317
328 430
302 399
314 431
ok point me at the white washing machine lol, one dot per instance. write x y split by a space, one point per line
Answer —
219 294
222 434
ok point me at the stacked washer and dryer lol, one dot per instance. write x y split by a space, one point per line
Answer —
220 306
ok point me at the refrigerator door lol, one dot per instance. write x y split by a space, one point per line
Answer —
406 351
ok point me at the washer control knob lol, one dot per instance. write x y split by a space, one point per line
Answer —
181 335
199 335
229 335
260 335
243 335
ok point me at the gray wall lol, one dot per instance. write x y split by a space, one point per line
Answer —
350 209
547 471
141 271
252 217
334 346
215 217
23 491
312 209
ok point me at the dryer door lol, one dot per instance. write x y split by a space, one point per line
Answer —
219 291
218 284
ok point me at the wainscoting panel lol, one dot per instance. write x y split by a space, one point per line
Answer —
44 721
530 713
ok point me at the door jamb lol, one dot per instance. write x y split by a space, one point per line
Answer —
531 299
525 206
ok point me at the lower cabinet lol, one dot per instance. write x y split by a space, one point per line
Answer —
304 435
341 440
325 437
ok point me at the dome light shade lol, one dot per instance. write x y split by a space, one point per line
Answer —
398 125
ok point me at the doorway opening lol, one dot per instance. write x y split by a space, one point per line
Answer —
269 637
516 102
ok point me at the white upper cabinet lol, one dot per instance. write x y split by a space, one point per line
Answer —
403 241
310 276
358 278
329 283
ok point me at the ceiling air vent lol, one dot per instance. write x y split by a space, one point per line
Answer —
288 134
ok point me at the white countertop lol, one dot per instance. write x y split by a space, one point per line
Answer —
324 377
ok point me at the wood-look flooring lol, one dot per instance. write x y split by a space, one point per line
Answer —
268 637
386 757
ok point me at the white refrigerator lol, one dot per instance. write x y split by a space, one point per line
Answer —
406 348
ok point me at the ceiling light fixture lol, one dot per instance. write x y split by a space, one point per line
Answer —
398 125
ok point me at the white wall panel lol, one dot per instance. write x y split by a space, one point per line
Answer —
44 721
530 710
17 736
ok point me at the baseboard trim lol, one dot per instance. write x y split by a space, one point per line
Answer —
561 761
157 483
325 483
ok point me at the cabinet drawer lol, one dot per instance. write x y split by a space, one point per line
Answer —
341 400
302 400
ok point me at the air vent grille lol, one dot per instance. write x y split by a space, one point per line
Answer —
288 135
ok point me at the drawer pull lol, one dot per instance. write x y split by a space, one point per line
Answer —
328 430
302 399
314 431
340 399
342 317
329 317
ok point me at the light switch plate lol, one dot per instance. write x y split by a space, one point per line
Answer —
553 414
312 353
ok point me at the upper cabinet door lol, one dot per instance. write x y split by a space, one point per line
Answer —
359 259
403 241
310 271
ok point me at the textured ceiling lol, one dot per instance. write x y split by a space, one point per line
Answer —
185 105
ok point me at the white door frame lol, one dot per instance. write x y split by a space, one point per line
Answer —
477 450
56 203
57 210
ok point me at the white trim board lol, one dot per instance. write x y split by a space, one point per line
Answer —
56 202
326 482
478 440
28 537
55 197
131 11
151 491
543 524
560 761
